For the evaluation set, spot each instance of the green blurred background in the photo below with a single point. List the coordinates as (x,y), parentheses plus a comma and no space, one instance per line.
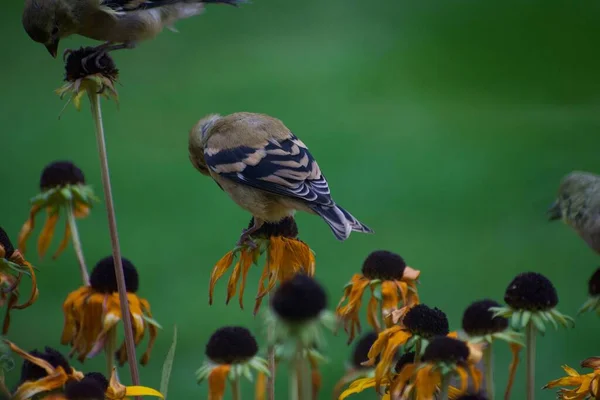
(444,125)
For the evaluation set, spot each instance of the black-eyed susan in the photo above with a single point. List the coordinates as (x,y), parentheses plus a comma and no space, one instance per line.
(286,256)
(42,373)
(531,300)
(89,71)
(355,368)
(63,189)
(231,353)
(392,283)
(593,302)
(93,312)
(482,326)
(419,325)
(12,268)
(586,386)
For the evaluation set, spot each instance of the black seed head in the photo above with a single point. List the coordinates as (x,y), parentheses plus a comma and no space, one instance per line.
(286,227)
(531,291)
(426,322)
(99,378)
(384,265)
(88,61)
(478,320)
(594,284)
(61,173)
(231,345)
(472,397)
(406,358)
(85,389)
(298,300)
(446,349)
(6,243)
(104,280)
(361,349)
(31,372)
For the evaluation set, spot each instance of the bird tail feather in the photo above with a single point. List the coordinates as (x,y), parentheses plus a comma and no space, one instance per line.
(340,221)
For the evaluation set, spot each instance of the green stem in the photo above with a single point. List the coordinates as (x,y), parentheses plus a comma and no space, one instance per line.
(530,343)
(77,243)
(418,351)
(445,387)
(294,386)
(109,350)
(271,360)
(488,359)
(114,236)
(304,391)
(235,389)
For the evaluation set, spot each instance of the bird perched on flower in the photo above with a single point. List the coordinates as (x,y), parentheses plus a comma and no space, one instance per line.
(119,23)
(578,205)
(266,170)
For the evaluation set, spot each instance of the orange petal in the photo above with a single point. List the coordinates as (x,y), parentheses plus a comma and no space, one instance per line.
(233,280)
(153,333)
(316,383)
(34,289)
(453,335)
(81,210)
(476,375)
(47,233)
(246,258)
(260,390)
(388,355)
(220,268)
(43,364)
(216,382)
(401,380)
(592,362)
(30,389)
(427,381)
(464,379)
(411,274)
(12,300)
(372,311)
(512,370)
(27,228)
(64,242)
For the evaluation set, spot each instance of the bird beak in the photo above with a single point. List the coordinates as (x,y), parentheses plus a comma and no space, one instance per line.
(554,212)
(53,48)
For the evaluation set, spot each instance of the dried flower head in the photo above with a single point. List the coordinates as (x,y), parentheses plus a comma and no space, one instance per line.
(85,389)
(406,358)
(360,354)
(479,320)
(586,386)
(445,349)
(426,322)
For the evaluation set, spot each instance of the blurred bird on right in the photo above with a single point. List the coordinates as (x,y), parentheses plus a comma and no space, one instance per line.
(578,205)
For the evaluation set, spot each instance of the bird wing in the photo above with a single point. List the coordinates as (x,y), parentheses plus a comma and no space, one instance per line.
(284,167)
(122,6)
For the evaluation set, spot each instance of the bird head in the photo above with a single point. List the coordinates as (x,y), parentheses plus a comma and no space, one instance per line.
(197,141)
(46,22)
(572,194)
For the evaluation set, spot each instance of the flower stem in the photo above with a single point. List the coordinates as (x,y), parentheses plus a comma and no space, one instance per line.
(109,350)
(302,378)
(530,342)
(271,360)
(235,389)
(445,387)
(77,243)
(293,384)
(488,359)
(114,236)
(418,351)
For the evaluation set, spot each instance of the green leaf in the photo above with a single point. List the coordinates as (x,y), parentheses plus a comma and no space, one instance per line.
(151,321)
(168,365)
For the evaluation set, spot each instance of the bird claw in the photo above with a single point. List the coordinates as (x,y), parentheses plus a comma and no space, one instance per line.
(245,240)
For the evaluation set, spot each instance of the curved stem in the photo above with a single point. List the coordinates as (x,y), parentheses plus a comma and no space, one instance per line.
(114,236)
(530,338)
(77,244)
(488,359)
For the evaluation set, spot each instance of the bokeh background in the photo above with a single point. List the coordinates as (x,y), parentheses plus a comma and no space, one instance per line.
(444,125)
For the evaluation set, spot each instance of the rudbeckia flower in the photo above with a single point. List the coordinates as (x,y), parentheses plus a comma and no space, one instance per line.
(94,386)
(231,353)
(88,70)
(355,368)
(419,325)
(586,386)
(593,303)
(63,188)
(391,282)
(42,372)
(286,255)
(12,268)
(93,312)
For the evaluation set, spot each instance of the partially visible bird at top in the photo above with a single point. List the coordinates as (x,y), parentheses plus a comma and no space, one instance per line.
(578,205)
(266,170)
(121,24)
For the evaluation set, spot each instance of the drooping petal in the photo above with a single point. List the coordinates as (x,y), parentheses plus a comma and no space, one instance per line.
(372,313)
(399,385)
(260,389)
(463,378)
(153,333)
(30,389)
(47,233)
(64,242)
(427,380)
(81,210)
(34,288)
(216,382)
(512,370)
(389,297)
(349,312)
(358,386)
(27,229)
(218,271)
(142,391)
(246,259)
(233,281)
(43,364)
(592,362)
(389,353)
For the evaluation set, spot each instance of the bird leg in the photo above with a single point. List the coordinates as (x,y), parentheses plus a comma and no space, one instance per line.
(245,237)
(98,51)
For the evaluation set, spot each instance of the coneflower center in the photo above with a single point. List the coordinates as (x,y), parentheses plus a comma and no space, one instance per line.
(383,265)
(426,322)
(594,284)
(6,243)
(298,300)
(446,349)
(286,227)
(88,61)
(478,320)
(231,345)
(406,358)
(531,291)
(361,349)
(85,389)
(31,372)
(99,378)
(61,173)
(104,280)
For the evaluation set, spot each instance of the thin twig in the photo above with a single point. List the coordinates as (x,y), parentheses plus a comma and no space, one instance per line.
(271,360)
(114,236)
(488,360)
(530,338)
(77,244)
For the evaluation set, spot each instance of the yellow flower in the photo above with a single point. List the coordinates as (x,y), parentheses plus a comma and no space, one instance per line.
(62,188)
(286,256)
(586,386)
(12,268)
(231,354)
(93,312)
(40,375)
(391,282)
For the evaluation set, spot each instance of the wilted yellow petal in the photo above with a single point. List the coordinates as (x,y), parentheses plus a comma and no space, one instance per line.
(142,391)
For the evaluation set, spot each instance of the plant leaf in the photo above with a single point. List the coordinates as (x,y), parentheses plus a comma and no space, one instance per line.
(168,365)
